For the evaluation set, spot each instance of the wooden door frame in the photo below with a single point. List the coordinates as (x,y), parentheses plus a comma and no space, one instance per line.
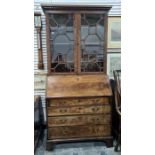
(76,11)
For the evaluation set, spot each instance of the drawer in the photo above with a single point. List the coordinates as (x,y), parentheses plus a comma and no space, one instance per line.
(97,109)
(79,131)
(79,120)
(78,101)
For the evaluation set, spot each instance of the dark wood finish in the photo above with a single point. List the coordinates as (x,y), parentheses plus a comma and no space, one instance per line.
(49,145)
(75,8)
(39,42)
(37,14)
(109,142)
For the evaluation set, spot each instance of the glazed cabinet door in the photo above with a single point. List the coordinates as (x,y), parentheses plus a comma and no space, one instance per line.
(61,37)
(92,43)
(76,43)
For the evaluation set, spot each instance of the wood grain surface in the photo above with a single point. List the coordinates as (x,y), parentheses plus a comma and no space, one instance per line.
(97,109)
(79,120)
(79,131)
(78,101)
(59,86)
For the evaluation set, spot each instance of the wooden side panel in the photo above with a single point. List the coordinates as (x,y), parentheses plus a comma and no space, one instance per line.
(55,111)
(79,131)
(78,101)
(79,120)
(77,86)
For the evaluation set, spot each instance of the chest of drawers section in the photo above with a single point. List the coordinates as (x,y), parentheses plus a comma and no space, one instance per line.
(78,118)
(78,108)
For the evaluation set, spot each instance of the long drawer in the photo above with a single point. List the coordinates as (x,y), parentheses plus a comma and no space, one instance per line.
(78,101)
(96,109)
(79,120)
(79,131)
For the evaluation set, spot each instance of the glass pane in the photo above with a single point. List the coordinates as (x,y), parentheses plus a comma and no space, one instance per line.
(116,31)
(61,41)
(92,43)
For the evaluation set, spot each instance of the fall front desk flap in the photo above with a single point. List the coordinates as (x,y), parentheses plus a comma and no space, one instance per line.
(77,86)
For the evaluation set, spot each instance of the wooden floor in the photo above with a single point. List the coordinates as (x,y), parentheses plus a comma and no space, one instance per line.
(84,148)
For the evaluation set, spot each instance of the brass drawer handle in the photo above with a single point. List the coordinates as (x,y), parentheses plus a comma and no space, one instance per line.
(63,110)
(97,119)
(65,131)
(63,121)
(95,109)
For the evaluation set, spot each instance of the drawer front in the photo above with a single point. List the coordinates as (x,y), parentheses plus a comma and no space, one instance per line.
(79,120)
(79,131)
(78,101)
(58,111)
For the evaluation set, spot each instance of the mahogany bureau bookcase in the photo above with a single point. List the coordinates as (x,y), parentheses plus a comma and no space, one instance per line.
(78,93)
